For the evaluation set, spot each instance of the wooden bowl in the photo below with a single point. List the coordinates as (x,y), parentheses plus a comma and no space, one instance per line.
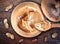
(18,11)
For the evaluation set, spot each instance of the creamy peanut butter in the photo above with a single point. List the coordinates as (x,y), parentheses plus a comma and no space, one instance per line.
(31,21)
(27,20)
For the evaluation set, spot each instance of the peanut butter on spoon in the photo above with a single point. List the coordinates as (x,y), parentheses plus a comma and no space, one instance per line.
(46,25)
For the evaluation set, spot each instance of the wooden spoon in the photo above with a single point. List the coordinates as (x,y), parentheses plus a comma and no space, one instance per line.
(51,9)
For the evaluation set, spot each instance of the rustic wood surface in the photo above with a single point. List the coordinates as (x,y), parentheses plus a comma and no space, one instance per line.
(44,38)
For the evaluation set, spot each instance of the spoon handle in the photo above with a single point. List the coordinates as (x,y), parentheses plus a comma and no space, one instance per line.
(55,25)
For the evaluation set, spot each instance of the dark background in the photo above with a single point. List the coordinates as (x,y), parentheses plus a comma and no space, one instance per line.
(40,38)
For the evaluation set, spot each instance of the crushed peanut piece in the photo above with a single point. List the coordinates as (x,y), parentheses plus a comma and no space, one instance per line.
(6,23)
(46,38)
(54,35)
(34,40)
(10,35)
(8,7)
(21,40)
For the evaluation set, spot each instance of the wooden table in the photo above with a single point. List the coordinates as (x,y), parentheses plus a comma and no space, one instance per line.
(44,38)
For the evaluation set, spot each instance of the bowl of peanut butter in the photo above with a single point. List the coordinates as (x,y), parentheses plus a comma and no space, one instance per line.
(24,18)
